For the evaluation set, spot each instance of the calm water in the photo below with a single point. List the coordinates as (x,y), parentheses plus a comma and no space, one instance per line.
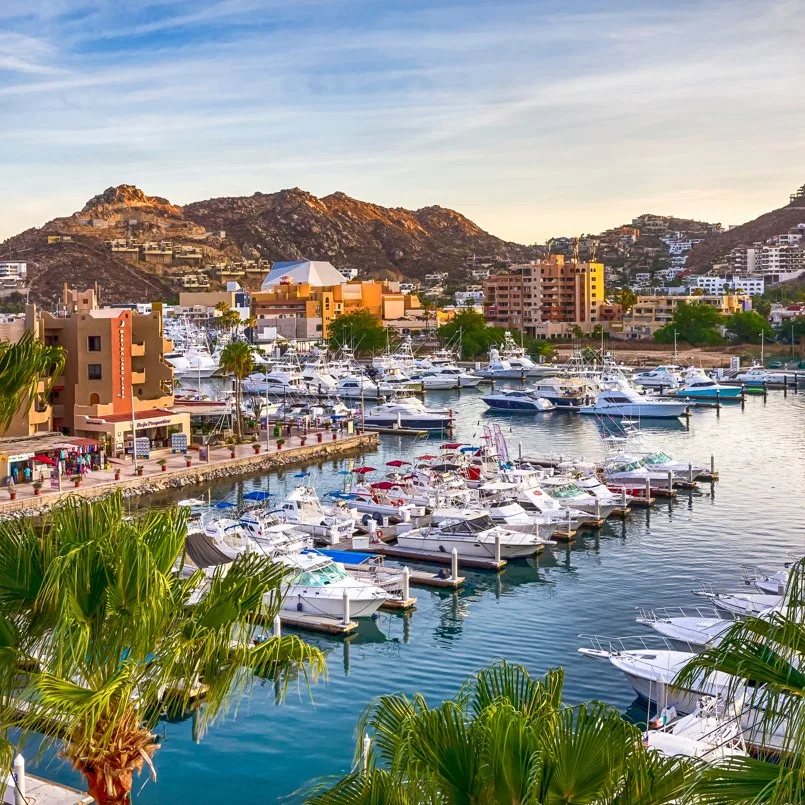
(532,613)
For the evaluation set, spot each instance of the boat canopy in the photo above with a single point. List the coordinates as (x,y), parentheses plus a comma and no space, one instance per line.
(476,525)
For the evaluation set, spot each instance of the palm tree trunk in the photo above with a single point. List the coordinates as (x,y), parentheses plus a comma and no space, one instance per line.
(238,402)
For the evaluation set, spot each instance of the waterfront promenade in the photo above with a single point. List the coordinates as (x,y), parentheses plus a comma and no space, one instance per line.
(98,483)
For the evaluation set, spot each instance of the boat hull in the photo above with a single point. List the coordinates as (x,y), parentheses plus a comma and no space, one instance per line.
(641,411)
(516,406)
(466,548)
(413,422)
(724,393)
(330,603)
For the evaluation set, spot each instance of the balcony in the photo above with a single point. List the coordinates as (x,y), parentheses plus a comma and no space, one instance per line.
(57,411)
(137,349)
(137,377)
(39,414)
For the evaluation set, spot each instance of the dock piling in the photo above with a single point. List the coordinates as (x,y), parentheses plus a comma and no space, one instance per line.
(367,745)
(277,626)
(497,548)
(19,781)
(346,607)
(712,464)
(648,488)
(597,509)
(690,473)
(454,565)
(670,479)
(406,584)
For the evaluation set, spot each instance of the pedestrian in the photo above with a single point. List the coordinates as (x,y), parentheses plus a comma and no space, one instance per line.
(26,474)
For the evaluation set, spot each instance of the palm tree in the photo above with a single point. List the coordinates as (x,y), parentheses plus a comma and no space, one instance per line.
(22,365)
(101,632)
(505,739)
(236,359)
(768,651)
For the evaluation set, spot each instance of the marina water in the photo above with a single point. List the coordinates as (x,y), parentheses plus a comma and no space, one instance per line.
(532,613)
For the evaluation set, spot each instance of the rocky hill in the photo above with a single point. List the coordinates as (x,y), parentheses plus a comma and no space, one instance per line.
(287,225)
(294,224)
(717,248)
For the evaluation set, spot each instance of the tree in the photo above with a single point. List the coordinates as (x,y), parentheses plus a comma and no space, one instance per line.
(768,651)
(747,326)
(694,324)
(22,365)
(506,738)
(625,297)
(762,306)
(469,328)
(427,308)
(359,330)
(236,359)
(100,635)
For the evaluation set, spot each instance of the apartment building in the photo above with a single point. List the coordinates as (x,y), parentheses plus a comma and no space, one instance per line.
(650,313)
(752,286)
(115,372)
(528,296)
(12,273)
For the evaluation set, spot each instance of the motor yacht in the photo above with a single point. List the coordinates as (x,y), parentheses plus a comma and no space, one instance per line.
(356,387)
(622,400)
(688,628)
(329,524)
(472,535)
(568,493)
(407,412)
(517,401)
(316,584)
(696,385)
(278,381)
(666,377)
(457,377)
(566,393)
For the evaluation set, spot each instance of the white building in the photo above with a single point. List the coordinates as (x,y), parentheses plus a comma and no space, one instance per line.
(13,272)
(407,287)
(469,298)
(436,277)
(350,273)
(753,286)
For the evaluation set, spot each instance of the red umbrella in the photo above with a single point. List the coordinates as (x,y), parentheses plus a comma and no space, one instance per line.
(397,463)
(383,485)
(451,446)
(45,460)
(364,470)
(426,458)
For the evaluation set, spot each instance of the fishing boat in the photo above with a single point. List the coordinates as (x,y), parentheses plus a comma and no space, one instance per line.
(316,584)
(430,381)
(622,400)
(568,493)
(517,400)
(666,377)
(739,603)
(330,524)
(696,385)
(568,393)
(688,628)
(472,535)
(407,412)
(454,375)
(278,381)
(357,387)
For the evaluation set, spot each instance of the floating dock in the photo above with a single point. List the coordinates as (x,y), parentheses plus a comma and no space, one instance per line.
(322,624)
(419,434)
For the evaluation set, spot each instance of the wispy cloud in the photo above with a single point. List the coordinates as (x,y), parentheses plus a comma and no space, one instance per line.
(532,118)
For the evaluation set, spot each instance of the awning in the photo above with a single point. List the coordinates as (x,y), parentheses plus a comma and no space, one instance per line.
(45,460)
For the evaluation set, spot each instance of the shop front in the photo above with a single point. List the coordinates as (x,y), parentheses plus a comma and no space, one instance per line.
(117,432)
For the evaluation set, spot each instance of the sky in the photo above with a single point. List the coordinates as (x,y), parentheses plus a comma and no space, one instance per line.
(534,118)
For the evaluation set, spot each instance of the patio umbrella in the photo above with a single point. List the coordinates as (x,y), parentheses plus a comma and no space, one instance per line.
(450,446)
(383,485)
(397,463)
(224,504)
(364,470)
(45,460)
(257,494)
(426,458)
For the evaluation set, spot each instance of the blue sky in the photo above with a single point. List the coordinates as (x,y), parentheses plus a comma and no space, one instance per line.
(532,118)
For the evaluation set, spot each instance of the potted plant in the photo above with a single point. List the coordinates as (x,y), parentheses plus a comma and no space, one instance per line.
(232,453)
(76,479)
(12,493)
(256,448)
(319,436)
(335,435)
(117,473)
(139,469)
(188,462)
(280,442)
(163,463)
(37,485)
(302,440)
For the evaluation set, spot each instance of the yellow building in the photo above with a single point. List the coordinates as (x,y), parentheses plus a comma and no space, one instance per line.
(650,313)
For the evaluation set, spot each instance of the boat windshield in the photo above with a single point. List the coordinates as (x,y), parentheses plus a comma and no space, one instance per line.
(629,467)
(321,577)
(474,526)
(657,458)
(566,491)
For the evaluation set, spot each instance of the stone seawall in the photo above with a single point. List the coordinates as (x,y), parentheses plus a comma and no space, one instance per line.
(134,486)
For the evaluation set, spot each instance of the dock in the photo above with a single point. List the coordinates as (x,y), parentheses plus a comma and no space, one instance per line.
(434,556)
(32,789)
(419,434)
(307,622)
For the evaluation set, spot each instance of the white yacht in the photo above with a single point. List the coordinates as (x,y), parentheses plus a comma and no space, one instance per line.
(687,628)
(277,381)
(696,385)
(757,375)
(506,513)
(472,535)
(317,376)
(623,400)
(568,393)
(302,508)
(316,584)
(431,381)
(271,535)
(666,377)
(356,387)
(457,377)
(195,362)
(407,412)
(570,494)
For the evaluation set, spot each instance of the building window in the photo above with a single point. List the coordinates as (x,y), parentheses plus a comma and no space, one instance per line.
(94,343)
(94,371)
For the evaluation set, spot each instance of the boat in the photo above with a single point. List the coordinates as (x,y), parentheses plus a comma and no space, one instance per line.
(738,603)
(454,375)
(567,393)
(507,513)
(770,583)
(568,493)
(712,732)
(330,524)
(665,377)
(407,412)
(517,400)
(696,385)
(195,361)
(757,375)
(316,584)
(316,374)
(688,628)
(472,534)
(356,387)
(271,535)
(277,381)
(623,400)
(430,381)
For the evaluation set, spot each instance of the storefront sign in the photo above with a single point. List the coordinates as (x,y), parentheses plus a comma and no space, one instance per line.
(20,457)
(153,423)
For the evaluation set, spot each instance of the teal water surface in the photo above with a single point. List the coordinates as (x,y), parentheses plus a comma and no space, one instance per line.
(532,613)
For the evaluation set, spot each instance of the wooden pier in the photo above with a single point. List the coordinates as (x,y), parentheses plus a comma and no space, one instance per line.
(419,434)
(323,624)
